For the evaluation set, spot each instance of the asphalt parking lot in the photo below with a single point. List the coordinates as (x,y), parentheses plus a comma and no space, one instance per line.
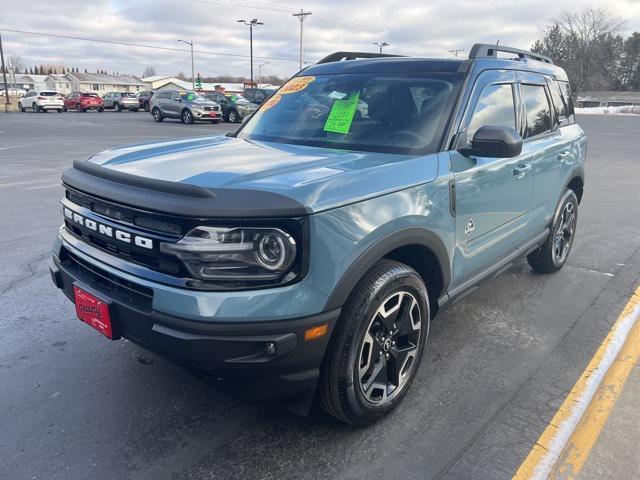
(498,364)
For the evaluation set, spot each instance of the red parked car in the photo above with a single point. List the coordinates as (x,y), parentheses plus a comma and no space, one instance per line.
(83,101)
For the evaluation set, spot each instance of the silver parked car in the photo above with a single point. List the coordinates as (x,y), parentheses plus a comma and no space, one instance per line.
(121,101)
(187,106)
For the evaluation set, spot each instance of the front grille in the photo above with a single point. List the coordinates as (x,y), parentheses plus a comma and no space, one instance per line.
(124,214)
(162,228)
(211,109)
(119,289)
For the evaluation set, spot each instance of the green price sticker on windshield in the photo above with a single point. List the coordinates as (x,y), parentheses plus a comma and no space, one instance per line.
(341,114)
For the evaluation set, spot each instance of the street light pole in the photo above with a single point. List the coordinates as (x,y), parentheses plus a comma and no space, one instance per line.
(301,16)
(251,24)
(381,45)
(4,77)
(193,74)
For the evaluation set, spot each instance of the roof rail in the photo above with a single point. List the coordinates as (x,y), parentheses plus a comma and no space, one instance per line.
(339,56)
(484,50)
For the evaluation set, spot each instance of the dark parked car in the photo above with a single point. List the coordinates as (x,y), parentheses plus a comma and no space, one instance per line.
(258,95)
(234,107)
(144,99)
(82,102)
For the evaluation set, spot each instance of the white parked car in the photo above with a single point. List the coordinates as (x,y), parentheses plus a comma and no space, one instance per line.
(41,101)
(13,92)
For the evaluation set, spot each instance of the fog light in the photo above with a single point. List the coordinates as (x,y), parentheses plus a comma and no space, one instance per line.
(270,348)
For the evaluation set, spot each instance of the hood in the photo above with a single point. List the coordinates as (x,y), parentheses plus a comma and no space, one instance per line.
(318,178)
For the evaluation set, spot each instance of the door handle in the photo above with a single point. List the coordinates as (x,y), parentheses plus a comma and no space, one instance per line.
(521,170)
(563,155)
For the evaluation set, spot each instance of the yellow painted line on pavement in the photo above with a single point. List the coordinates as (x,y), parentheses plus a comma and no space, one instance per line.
(565,444)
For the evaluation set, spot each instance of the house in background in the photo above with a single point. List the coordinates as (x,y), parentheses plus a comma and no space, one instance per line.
(25,82)
(60,83)
(102,83)
(166,82)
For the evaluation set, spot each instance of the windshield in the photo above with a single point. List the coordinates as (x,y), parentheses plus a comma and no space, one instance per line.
(193,97)
(371,112)
(90,95)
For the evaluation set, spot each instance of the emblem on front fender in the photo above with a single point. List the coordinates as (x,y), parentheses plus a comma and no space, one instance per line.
(471,226)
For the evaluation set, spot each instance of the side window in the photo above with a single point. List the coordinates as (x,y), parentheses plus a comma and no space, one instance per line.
(495,107)
(537,108)
(567,97)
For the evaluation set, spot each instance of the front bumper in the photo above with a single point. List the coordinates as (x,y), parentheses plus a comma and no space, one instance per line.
(207,115)
(235,352)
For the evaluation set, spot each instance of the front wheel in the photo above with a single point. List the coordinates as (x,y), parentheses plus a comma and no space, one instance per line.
(376,350)
(35,107)
(22,109)
(553,253)
(117,107)
(233,116)
(187,117)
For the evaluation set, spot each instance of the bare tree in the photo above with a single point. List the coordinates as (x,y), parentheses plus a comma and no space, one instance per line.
(586,44)
(148,72)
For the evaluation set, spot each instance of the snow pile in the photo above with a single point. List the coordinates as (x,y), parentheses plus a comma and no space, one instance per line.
(626,110)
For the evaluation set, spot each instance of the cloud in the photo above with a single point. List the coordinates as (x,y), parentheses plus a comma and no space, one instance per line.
(420,28)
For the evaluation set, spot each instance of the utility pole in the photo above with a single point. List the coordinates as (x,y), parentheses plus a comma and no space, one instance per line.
(193,77)
(382,45)
(260,70)
(251,24)
(455,51)
(4,77)
(301,16)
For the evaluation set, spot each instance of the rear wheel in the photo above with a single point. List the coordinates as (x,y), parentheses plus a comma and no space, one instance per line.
(553,253)
(187,116)
(376,350)
(35,107)
(157,115)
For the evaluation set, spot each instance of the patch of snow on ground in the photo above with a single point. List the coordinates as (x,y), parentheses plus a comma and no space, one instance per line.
(626,110)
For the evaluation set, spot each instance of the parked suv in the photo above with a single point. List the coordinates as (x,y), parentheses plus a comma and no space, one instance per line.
(41,101)
(304,256)
(187,106)
(144,99)
(234,107)
(121,101)
(82,102)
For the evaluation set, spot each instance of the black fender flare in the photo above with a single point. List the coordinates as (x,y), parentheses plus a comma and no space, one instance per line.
(400,238)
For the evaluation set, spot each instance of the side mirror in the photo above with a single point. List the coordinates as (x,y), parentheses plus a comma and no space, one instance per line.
(494,142)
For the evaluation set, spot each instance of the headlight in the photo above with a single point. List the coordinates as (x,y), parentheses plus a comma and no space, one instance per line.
(236,253)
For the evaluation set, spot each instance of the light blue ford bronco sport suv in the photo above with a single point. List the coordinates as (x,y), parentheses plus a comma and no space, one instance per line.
(302,257)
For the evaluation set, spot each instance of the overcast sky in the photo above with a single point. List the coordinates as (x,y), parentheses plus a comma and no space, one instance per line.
(426,28)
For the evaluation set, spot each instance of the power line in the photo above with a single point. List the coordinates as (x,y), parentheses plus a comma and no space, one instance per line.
(141,45)
(455,51)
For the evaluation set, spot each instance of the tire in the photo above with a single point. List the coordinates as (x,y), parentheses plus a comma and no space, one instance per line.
(100,109)
(553,253)
(64,109)
(186,116)
(157,115)
(364,342)
(135,109)
(117,107)
(21,108)
(79,108)
(147,107)
(35,107)
(232,116)
(59,110)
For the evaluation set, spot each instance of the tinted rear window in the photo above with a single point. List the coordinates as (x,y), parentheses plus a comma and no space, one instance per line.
(48,94)
(89,95)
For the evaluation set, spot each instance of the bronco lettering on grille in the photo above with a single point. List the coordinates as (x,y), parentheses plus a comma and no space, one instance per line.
(107,231)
